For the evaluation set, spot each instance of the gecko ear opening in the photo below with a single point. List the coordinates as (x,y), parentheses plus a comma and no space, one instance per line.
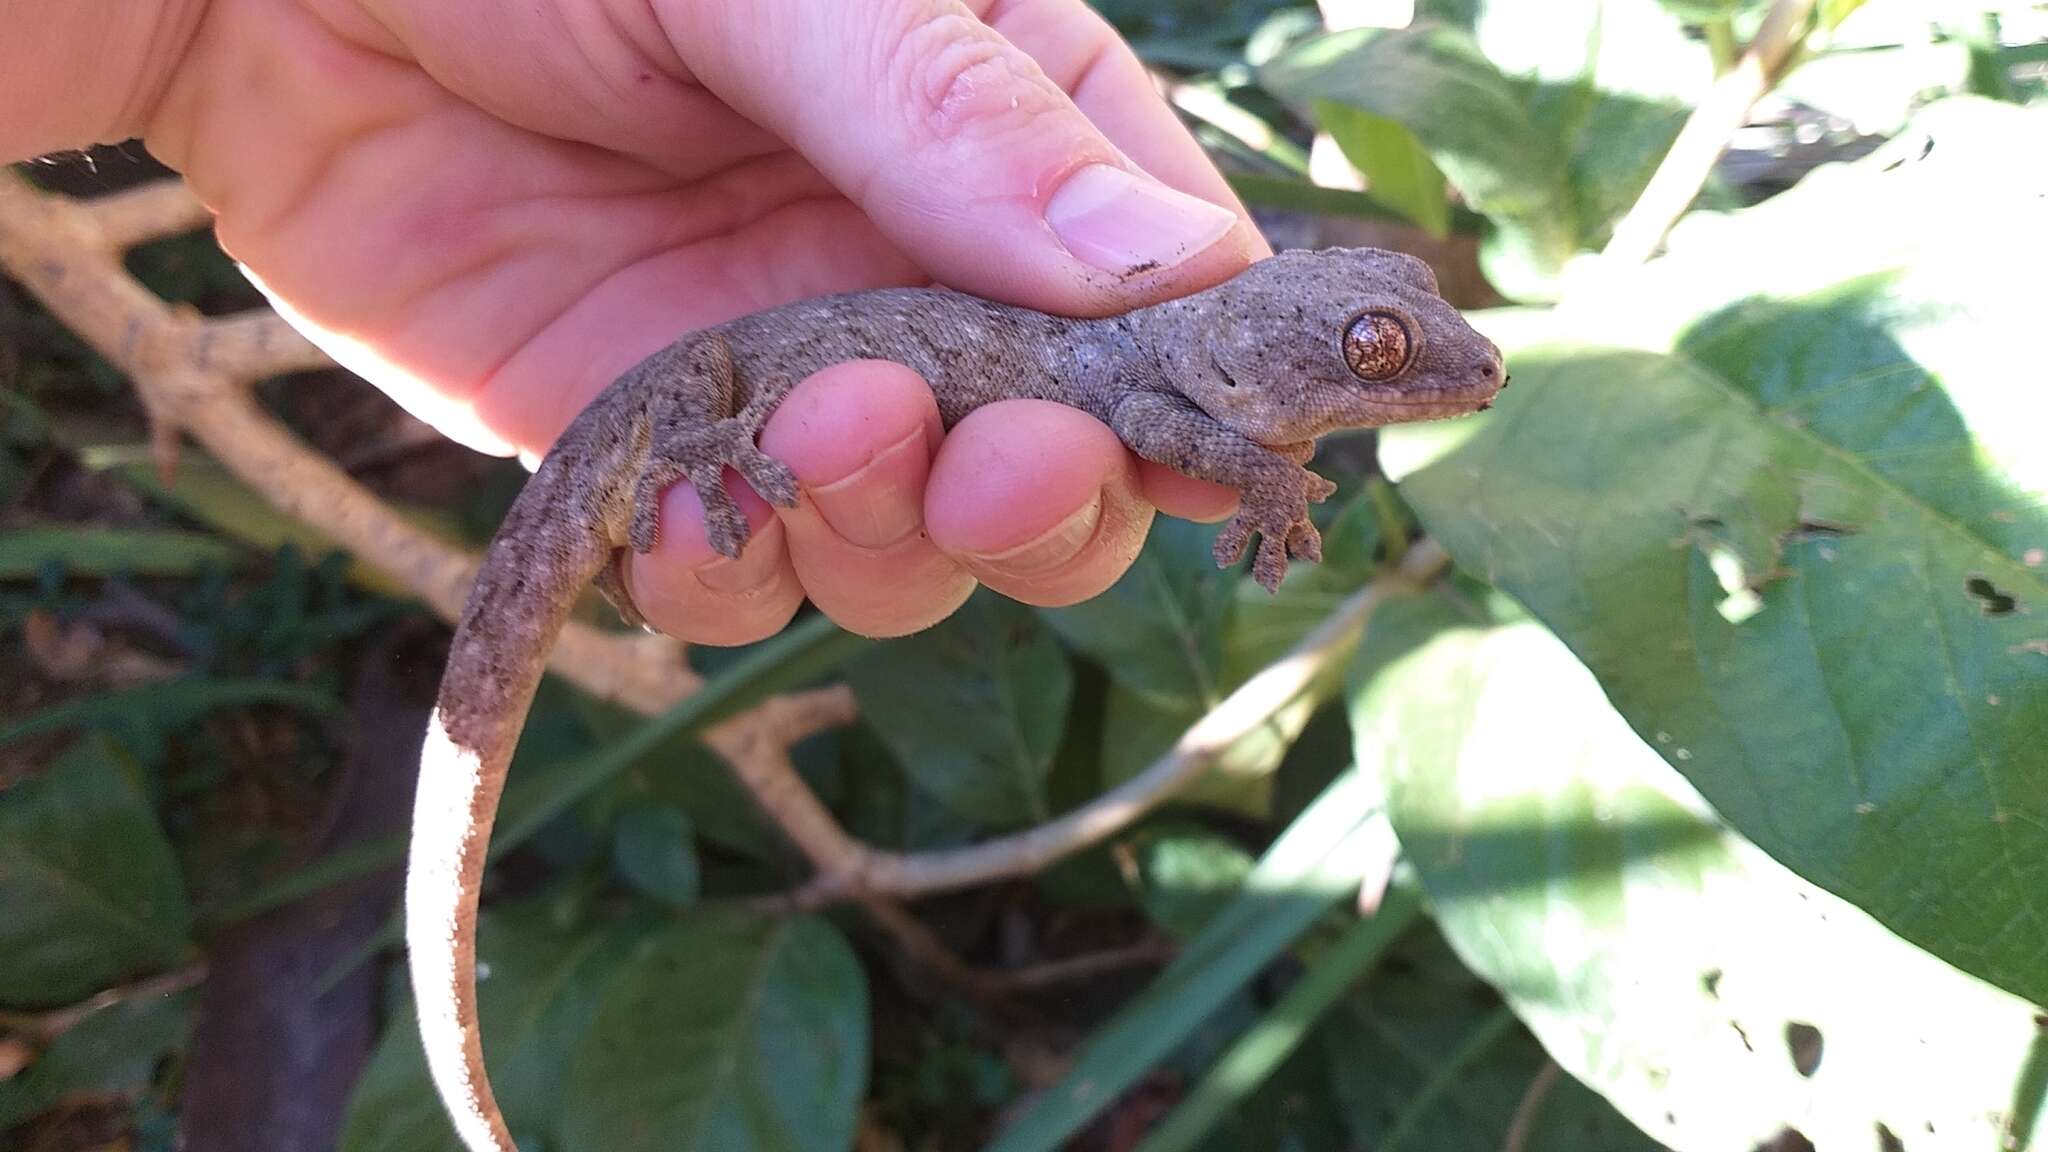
(1380,344)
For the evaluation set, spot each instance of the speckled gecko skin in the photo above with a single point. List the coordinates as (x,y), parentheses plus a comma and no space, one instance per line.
(1232,385)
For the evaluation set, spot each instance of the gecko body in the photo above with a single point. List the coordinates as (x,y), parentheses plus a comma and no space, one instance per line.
(1232,384)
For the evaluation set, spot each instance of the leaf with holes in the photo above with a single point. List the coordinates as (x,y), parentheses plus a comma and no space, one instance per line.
(727,1031)
(1711,995)
(1805,550)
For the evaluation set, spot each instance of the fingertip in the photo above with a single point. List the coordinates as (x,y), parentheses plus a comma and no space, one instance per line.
(1040,501)
(689,591)
(1185,497)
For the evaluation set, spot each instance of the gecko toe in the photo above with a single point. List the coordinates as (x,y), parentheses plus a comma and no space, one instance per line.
(1316,488)
(1305,543)
(769,477)
(1270,568)
(1230,545)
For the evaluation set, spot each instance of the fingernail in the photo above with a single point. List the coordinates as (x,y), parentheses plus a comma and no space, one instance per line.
(1051,548)
(1124,223)
(882,501)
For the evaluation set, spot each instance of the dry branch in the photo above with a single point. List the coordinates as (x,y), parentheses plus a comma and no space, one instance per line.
(194,376)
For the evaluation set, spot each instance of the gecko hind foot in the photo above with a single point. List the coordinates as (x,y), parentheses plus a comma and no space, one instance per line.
(701,456)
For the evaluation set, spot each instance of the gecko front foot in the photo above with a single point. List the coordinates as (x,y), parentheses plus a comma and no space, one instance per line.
(1278,512)
(701,455)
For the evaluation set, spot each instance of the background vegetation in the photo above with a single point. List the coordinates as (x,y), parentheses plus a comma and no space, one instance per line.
(1703,805)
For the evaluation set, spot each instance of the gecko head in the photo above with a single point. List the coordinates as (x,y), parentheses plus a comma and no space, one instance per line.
(1308,342)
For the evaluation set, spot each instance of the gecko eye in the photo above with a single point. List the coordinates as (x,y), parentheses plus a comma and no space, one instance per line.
(1378,345)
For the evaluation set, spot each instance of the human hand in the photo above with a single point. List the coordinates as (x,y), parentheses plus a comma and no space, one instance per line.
(491,209)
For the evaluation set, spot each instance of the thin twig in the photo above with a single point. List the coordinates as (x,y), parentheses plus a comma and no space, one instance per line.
(1533,1097)
(1253,704)
(1692,157)
(43,1027)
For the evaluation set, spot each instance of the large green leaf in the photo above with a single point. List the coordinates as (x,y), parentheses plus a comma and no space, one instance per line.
(91,890)
(973,708)
(538,986)
(1804,553)
(726,1032)
(1711,995)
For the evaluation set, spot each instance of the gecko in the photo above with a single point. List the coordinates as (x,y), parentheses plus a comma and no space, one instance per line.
(1232,384)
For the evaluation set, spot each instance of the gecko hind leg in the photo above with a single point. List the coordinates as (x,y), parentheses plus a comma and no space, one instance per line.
(696,436)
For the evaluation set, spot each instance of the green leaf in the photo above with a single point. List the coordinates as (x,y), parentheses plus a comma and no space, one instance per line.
(25,552)
(1660,958)
(1394,162)
(1552,147)
(1266,1045)
(1804,551)
(652,848)
(972,708)
(1433,79)
(212,495)
(1319,860)
(1159,629)
(92,891)
(144,713)
(539,982)
(1425,1056)
(1285,194)
(114,1051)
(727,1031)
(1188,874)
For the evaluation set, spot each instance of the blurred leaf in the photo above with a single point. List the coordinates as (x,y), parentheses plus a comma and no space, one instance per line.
(1433,79)
(1288,195)
(539,982)
(92,891)
(210,494)
(1804,556)
(1319,860)
(727,1031)
(1159,629)
(973,708)
(652,847)
(1257,1054)
(143,715)
(1395,164)
(1422,1048)
(1660,958)
(112,1052)
(24,552)
(1552,154)
(1188,874)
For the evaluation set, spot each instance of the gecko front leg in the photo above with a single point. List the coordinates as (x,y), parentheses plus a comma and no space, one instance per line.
(1272,483)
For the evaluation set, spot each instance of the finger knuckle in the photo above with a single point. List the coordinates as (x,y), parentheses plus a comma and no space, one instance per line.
(959,80)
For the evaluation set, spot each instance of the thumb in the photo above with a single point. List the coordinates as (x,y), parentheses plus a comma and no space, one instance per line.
(962,150)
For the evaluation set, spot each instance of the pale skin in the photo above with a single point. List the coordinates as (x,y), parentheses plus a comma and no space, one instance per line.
(490,209)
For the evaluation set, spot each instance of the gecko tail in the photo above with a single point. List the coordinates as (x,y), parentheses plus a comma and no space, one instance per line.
(453,810)
(543,558)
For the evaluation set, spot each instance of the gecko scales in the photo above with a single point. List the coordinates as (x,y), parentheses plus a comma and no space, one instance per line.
(1233,385)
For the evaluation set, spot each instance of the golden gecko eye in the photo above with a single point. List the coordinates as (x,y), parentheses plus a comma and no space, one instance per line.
(1378,346)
